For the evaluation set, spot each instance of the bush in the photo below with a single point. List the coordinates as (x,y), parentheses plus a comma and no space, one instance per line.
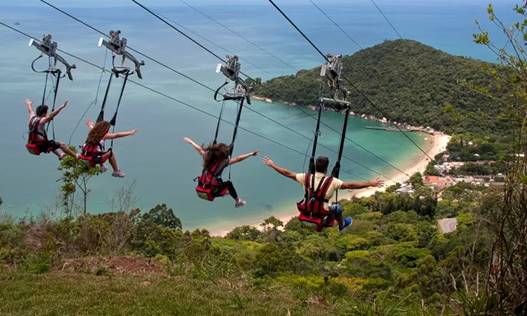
(245,232)
(163,216)
(37,263)
(12,246)
(273,259)
(158,232)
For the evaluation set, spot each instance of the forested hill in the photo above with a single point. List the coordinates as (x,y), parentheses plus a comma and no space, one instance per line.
(410,82)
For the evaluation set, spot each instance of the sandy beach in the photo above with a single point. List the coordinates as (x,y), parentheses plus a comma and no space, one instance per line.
(434,145)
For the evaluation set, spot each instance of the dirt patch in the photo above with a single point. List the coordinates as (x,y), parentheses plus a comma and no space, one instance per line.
(113,265)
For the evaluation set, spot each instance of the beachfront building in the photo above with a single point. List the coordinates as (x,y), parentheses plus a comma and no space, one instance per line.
(438,183)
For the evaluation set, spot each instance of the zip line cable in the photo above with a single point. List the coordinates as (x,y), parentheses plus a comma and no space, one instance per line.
(356,88)
(185,35)
(336,24)
(401,37)
(92,103)
(386,18)
(196,81)
(103,69)
(321,145)
(203,37)
(188,77)
(214,54)
(358,145)
(130,48)
(160,93)
(239,35)
(330,127)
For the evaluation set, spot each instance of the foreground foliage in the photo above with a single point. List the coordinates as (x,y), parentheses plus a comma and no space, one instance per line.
(392,261)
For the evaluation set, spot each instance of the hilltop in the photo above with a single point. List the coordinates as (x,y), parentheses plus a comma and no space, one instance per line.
(412,83)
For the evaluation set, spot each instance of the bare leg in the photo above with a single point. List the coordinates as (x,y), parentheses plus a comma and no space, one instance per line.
(67,150)
(113,162)
(116,172)
(56,152)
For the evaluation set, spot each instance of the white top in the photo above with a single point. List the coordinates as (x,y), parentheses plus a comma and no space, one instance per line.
(334,186)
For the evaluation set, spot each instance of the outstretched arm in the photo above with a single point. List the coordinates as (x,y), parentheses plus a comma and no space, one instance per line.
(29,107)
(52,115)
(194,145)
(90,124)
(120,134)
(361,185)
(242,157)
(283,171)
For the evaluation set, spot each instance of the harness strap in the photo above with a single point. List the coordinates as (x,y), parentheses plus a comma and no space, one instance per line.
(56,73)
(33,129)
(306,185)
(93,150)
(218,124)
(320,185)
(318,193)
(321,193)
(47,77)
(218,167)
(103,104)
(114,118)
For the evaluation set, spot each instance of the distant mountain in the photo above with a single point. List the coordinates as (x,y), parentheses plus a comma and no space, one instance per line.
(410,82)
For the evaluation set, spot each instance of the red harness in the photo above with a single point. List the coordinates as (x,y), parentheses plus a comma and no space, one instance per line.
(209,182)
(312,208)
(36,139)
(93,154)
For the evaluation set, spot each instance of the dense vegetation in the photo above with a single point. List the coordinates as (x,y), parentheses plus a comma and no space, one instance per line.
(392,255)
(448,93)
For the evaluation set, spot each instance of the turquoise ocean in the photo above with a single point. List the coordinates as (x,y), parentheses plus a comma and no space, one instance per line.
(160,167)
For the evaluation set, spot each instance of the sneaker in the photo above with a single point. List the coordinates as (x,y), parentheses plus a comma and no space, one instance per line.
(118,174)
(346,224)
(240,203)
(61,156)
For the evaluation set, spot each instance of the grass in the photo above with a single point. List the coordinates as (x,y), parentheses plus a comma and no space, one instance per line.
(59,293)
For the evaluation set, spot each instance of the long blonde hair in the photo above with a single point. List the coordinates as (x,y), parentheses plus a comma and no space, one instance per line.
(97,133)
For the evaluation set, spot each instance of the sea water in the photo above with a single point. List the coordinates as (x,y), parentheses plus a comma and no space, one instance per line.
(160,167)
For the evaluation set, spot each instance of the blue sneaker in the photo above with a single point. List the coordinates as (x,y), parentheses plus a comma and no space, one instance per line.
(346,223)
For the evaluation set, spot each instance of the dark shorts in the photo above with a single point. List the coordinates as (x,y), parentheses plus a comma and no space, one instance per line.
(48,146)
(101,157)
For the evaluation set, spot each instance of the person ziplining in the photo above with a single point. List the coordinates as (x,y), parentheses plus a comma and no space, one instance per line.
(94,145)
(93,150)
(39,119)
(218,156)
(319,188)
(38,141)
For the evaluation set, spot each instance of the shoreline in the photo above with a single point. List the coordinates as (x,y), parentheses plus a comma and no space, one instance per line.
(435,144)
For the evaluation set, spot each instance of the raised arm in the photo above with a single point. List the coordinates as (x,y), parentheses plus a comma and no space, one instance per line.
(90,124)
(283,171)
(29,107)
(52,115)
(194,145)
(361,185)
(120,134)
(242,157)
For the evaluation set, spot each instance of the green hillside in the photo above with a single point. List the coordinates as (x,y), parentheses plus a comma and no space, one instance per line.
(412,83)
(143,263)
